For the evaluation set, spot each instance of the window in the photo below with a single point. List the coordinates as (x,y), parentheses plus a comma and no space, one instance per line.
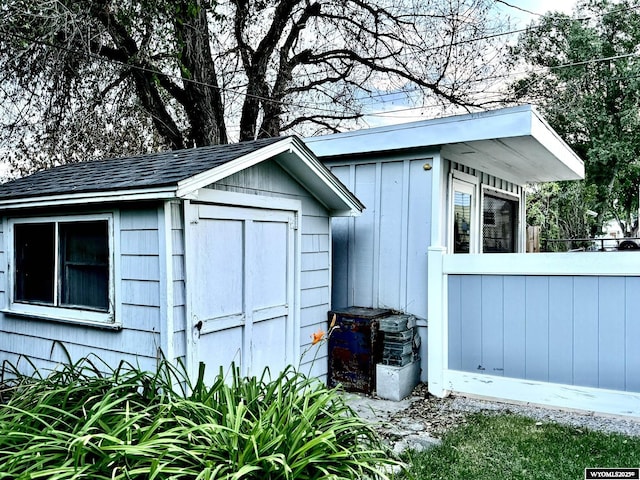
(463,217)
(500,223)
(63,264)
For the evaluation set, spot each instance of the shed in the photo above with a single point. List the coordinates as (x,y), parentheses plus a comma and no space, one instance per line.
(213,254)
(443,238)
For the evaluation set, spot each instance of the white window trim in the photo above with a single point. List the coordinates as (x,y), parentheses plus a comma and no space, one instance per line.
(57,313)
(462,181)
(505,194)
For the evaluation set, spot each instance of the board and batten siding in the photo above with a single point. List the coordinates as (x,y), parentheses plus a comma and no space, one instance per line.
(46,343)
(572,330)
(380,257)
(269,179)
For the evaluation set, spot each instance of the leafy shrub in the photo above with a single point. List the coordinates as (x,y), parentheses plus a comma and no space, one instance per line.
(78,423)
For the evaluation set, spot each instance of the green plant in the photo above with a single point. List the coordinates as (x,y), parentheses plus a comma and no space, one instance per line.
(129,424)
(490,446)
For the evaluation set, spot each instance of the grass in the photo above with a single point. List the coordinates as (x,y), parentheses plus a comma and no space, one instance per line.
(79,423)
(490,447)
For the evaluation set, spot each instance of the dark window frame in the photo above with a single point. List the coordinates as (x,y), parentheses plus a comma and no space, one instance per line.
(83,268)
(514,201)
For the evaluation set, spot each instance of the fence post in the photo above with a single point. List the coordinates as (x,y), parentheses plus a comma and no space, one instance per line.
(437,317)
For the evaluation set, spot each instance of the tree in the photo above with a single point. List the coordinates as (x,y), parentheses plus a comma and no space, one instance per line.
(586,78)
(81,78)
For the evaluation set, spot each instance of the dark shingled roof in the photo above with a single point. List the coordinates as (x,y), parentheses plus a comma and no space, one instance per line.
(142,171)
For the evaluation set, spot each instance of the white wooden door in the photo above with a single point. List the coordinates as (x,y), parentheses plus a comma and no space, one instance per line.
(242,288)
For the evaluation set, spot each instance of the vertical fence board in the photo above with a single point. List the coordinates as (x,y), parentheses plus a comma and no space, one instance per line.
(611,344)
(492,324)
(585,332)
(514,327)
(471,307)
(537,328)
(561,329)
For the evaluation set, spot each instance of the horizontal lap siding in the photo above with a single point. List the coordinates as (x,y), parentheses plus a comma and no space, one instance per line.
(47,343)
(269,179)
(580,330)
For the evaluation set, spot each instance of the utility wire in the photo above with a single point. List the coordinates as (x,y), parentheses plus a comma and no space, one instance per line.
(315,106)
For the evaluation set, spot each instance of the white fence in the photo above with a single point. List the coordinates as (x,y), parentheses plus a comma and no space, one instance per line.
(551,329)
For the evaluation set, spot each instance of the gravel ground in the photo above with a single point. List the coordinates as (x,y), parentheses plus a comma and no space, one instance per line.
(438,415)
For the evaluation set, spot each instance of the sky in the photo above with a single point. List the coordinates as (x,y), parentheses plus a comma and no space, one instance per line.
(536,6)
(401,112)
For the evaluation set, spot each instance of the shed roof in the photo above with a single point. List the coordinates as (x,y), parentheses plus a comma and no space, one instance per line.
(514,143)
(174,174)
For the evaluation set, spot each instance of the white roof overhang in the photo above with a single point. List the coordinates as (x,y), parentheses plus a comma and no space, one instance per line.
(515,144)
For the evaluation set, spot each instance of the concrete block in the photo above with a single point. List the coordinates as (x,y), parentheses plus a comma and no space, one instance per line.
(396,383)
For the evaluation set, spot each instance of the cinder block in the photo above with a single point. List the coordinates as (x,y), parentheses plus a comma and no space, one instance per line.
(396,383)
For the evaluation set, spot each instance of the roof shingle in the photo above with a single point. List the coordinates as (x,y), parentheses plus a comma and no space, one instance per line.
(129,173)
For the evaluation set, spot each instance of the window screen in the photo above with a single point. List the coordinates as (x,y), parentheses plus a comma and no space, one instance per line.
(499,224)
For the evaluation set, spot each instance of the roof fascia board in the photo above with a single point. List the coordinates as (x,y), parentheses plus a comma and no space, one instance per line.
(350,201)
(159,193)
(549,139)
(501,123)
(187,187)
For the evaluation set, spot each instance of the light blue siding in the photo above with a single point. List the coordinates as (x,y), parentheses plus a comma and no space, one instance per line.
(575,330)
(514,324)
(585,332)
(560,330)
(47,343)
(380,257)
(268,179)
(537,328)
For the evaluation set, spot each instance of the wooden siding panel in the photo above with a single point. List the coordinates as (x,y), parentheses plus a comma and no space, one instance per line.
(340,294)
(138,219)
(391,233)
(315,243)
(537,328)
(363,237)
(136,292)
(632,334)
(315,225)
(139,242)
(585,332)
(561,330)
(515,337)
(314,260)
(139,317)
(492,327)
(315,297)
(314,278)
(471,328)
(39,342)
(314,319)
(340,246)
(418,238)
(455,322)
(611,331)
(139,267)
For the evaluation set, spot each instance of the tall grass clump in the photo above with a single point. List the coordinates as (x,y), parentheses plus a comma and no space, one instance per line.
(79,423)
